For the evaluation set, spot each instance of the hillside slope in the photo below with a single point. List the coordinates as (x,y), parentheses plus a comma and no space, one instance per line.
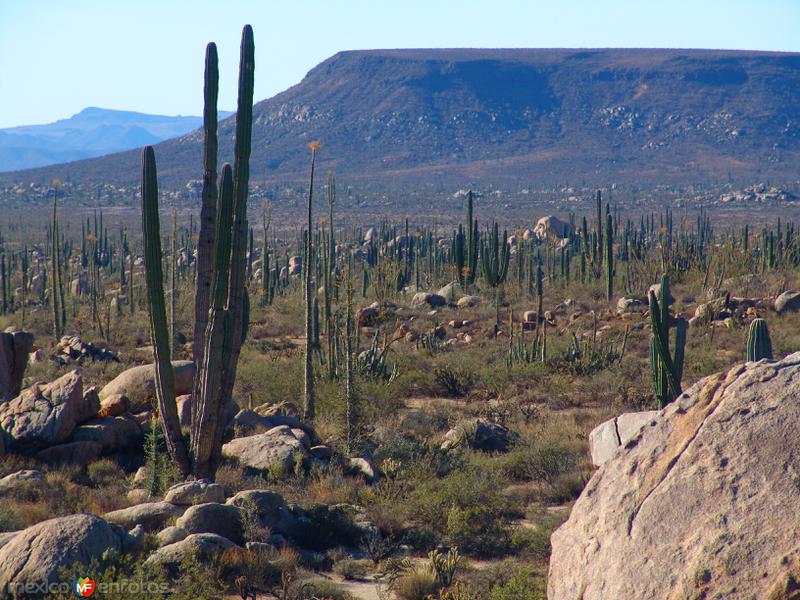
(393,118)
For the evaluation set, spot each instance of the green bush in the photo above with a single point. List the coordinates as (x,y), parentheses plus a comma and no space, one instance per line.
(531,542)
(105,472)
(521,586)
(415,585)
(477,530)
(351,568)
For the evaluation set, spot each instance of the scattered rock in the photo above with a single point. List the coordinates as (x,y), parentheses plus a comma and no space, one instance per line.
(468,301)
(479,435)
(222,519)
(606,438)
(45,414)
(361,466)
(550,227)
(787,301)
(203,546)
(432,300)
(171,535)
(138,383)
(72,349)
(629,305)
(150,515)
(23,481)
(705,498)
(112,433)
(114,405)
(40,553)
(278,446)
(270,508)
(198,491)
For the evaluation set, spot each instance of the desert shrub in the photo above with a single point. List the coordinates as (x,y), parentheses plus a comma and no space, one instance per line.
(454,382)
(417,584)
(477,530)
(351,568)
(10,519)
(545,463)
(531,542)
(326,527)
(105,472)
(322,588)
(522,585)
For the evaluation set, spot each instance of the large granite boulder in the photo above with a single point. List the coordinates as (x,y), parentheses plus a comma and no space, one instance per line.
(277,447)
(37,555)
(138,383)
(112,433)
(702,504)
(270,508)
(202,546)
(198,491)
(606,438)
(25,481)
(223,519)
(787,302)
(150,515)
(46,413)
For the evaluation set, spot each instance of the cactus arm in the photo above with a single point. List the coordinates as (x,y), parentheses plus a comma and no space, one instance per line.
(165,379)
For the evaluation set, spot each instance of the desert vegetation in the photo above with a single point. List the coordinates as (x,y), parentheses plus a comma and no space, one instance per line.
(346,409)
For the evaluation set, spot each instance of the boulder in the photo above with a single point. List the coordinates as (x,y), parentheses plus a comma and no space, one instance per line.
(7,536)
(424,298)
(278,446)
(656,289)
(787,301)
(550,227)
(74,453)
(112,433)
(15,346)
(479,434)
(45,414)
(198,491)
(703,504)
(150,515)
(282,409)
(223,519)
(629,305)
(114,405)
(203,546)
(138,383)
(170,535)
(40,553)
(450,292)
(270,508)
(361,466)
(468,301)
(606,438)
(27,480)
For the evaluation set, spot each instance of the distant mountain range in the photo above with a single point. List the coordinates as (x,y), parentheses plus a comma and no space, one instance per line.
(91,132)
(445,119)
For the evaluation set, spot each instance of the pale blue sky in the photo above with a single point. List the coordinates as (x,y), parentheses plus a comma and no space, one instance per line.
(59,56)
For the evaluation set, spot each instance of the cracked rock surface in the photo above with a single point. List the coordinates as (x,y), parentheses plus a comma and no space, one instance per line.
(704,502)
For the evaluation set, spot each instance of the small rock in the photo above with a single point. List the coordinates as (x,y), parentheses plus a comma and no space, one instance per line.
(199,491)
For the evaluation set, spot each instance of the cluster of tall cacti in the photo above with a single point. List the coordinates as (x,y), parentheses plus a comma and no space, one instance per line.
(666,364)
(221,300)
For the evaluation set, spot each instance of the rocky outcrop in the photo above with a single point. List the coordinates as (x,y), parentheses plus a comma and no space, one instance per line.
(222,519)
(39,554)
(270,508)
(551,228)
(703,502)
(276,447)
(606,438)
(203,546)
(112,433)
(198,491)
(150,515)
(138,383)
(46,414)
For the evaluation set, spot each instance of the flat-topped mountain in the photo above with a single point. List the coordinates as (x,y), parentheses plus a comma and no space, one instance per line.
(397,118)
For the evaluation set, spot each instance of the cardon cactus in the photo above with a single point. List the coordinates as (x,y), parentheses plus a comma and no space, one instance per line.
(758,343)
(667,368)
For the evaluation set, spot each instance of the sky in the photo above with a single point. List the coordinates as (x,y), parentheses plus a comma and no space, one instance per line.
(60,56)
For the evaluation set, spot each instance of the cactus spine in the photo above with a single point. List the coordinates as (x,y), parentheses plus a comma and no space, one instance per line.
(759,345)
(667,368)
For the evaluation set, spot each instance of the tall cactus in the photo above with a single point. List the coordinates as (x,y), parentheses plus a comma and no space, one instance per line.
(228,302)
(667,368)
(165,378)
(609,242)
(494,265)
(308,406)
(759,345)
